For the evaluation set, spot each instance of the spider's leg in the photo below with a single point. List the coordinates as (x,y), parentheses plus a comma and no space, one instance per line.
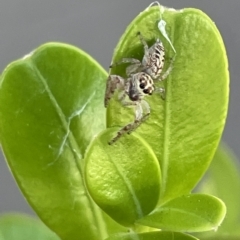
(144,43)
(161,90)
(113,82)
(134,66)
(145,61)
(126,60)
(168,71)
(126,128)
(124,93)
(139,118)
(146,107)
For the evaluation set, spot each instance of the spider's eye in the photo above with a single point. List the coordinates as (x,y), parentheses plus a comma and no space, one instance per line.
(146,91)
(142,85)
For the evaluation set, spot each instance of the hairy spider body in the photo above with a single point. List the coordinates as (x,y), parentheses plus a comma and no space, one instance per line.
(139,83)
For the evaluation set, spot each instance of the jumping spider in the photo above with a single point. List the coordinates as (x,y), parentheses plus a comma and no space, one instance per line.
(140,82)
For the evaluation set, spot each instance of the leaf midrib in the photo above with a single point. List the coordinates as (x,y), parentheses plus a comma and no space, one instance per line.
(73,145)
(165,161)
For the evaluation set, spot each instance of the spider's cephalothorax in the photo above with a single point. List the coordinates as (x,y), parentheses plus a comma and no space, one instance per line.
(139,83)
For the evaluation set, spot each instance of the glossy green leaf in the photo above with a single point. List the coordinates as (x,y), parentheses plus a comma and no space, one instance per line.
(152,236)
(223,180)
(124,178)
(190,213)
(21,227)
(48,101)
(184,129)
(222,237)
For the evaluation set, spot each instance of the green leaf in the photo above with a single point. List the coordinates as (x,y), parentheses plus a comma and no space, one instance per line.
(221,237)
(152,236)
(123,179)
(223,181)
(47,103)
(21,227)
(184,129)
(190,213)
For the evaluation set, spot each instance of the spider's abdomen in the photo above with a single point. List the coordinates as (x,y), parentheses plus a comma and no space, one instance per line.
(155,60)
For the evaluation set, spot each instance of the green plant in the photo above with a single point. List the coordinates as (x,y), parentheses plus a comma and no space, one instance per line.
(54,132)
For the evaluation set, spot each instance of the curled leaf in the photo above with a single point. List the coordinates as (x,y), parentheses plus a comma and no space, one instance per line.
(124,178)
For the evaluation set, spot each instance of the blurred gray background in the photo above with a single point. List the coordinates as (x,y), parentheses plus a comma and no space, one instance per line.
(95,26)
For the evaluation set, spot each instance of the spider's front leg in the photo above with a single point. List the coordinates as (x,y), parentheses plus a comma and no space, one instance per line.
(139,118)
(144,43)
(162,92)
(168,71)
(113,82)
(134,66)
(126,60)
